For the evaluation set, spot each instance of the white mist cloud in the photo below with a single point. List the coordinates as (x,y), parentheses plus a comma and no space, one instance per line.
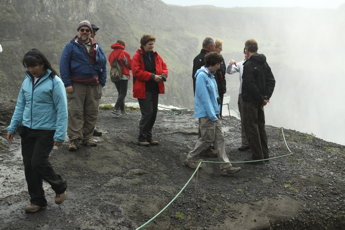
(260,3)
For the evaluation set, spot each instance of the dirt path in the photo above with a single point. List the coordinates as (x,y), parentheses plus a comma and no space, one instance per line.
(120,185)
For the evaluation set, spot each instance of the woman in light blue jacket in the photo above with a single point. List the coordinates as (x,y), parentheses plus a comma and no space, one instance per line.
(207,109)
(40,118)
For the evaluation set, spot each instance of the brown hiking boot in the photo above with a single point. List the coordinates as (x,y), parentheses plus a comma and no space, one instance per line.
(32,208)
(73,145)
(89,142)
(192,164)
(154,143)
(230,170)
(60,198)
(143,143)
(97,133)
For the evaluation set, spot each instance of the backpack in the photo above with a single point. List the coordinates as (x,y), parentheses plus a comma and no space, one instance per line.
(116,71)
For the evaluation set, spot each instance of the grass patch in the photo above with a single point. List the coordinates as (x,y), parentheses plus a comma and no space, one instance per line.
(105,107)
(289,186)
(180,216)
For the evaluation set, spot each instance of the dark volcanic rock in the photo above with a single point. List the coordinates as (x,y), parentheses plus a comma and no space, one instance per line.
(120,185)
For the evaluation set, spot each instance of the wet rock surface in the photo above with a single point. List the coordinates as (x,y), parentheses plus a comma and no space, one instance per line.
(120,185)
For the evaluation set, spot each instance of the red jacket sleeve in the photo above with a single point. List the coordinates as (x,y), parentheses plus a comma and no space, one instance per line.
(163,67)
(128,58)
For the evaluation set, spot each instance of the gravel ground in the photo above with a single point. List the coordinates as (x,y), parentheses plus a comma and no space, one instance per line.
(120,185)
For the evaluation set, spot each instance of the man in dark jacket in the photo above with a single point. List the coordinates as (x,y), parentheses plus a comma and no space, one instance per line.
(257,88)
(208,45)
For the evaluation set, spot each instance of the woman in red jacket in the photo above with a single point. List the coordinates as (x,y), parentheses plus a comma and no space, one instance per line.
(123,56)
(149,74)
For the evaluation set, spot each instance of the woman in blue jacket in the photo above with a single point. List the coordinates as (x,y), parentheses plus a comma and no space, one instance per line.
(40,117)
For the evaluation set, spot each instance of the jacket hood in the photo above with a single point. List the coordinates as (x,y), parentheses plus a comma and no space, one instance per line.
(203,69)
(259,58)
(117,46)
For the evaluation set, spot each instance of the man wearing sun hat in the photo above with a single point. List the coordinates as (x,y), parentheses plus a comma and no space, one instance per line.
(83,71)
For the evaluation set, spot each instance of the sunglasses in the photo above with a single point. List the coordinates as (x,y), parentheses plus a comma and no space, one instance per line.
(84,30)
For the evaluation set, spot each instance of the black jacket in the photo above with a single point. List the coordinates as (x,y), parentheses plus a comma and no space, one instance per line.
(258,80)
(220,78)
(198,62)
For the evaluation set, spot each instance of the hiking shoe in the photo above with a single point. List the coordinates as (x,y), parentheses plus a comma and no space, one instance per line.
(60,198)
(192,164)
(230,170)
(244,148)
(154,142)
(73,145)
(143,143)
(97,133)
(89,142)
(33,208)
(116,112)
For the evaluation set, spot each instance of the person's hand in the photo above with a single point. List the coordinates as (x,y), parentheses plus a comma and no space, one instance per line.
(9,137)
(57,143)
(158,78)
(69,89)
(232,62)
(265,102)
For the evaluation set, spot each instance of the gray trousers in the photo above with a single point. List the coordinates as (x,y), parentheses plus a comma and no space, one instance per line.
(121,87)
(254,125)
(243,133)
(210,133)
(83,110)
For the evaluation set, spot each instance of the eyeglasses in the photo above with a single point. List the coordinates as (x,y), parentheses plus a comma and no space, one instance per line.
(84,30)
(244,50)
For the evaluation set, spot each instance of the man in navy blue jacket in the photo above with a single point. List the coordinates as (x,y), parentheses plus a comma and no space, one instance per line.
(83,71)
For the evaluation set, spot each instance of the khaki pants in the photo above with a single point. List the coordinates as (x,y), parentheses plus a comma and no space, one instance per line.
(83,110)
(210,133)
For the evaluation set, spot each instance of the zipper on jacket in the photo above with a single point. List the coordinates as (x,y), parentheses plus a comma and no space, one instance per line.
(32,99)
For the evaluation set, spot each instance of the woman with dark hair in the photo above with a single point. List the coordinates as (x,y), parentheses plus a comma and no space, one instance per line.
(40,118)
(149,74)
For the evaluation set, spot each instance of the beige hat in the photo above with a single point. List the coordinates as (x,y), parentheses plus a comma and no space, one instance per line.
(84,23)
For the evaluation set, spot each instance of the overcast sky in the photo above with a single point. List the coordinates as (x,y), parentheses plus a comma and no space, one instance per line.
(260,3)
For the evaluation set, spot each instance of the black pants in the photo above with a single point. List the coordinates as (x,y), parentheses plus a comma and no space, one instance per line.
(254,126)
(148,108)
(36,147)
(221,98)
(121,87)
